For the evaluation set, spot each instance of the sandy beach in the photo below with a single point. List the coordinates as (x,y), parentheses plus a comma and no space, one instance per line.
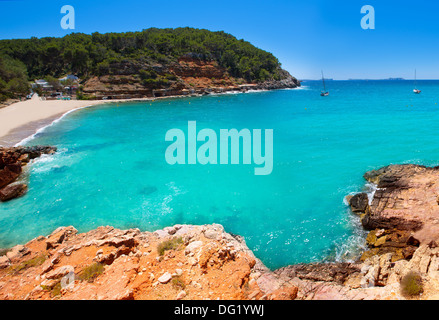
(24,118)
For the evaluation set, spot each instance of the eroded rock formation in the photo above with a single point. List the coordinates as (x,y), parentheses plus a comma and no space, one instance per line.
(11,162)
(189,75)
(406,199)
(192,262)
(180,262)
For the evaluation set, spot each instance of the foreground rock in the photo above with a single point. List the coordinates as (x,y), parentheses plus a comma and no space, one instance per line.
(180,262)
(407,198)
(11,162)
(403,220)
(186,262)
(12,191)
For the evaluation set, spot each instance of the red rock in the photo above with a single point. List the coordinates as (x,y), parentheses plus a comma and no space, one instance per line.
(288,293)
(12,191)
(14,167)
(406,199)
(7,176)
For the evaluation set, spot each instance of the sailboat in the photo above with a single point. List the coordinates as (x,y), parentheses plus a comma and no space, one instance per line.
(415,90)
(324,93)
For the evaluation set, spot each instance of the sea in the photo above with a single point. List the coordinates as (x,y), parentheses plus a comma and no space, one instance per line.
(110,168)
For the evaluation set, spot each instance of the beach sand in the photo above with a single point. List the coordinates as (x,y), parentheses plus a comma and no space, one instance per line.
(22,119)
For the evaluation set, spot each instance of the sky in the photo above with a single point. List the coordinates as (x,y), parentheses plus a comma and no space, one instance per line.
(306,36)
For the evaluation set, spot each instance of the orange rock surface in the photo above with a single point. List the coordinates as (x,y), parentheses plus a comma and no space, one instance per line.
(197,262)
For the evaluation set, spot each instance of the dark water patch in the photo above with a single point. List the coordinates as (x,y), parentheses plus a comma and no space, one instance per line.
(147,190)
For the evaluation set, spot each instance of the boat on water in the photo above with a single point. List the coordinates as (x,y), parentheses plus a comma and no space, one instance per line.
(415,90)
(324,93)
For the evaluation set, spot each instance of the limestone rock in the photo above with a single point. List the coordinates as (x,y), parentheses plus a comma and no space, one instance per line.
(359,202)
(181,295)
(193,246)
(60,272)
(11,161)
(165,278)
(405,199)
(4,262)
(59,235)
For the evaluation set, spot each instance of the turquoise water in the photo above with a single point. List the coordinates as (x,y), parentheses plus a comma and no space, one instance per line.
(111,168)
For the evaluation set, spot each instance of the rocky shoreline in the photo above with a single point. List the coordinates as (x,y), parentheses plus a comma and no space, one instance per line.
(192,262)
(12,161)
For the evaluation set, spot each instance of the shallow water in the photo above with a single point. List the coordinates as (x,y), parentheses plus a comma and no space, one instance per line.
(111,168)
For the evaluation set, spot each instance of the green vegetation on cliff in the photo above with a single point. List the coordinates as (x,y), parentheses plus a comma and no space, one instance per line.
(13,78)
(104,54)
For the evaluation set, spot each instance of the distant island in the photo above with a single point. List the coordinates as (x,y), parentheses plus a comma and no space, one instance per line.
(388,79)
(152,62)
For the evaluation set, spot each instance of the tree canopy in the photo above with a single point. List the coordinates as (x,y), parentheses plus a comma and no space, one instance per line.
(13,78)
(93,54)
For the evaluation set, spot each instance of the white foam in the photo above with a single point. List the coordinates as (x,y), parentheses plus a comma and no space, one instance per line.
(47,161)
(298,88)
(255,91)
(371,188)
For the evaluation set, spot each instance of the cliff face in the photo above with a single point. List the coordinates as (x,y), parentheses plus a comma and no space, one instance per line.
(403,219)
(190,75)
(406,199)
(186,262)
(180,262)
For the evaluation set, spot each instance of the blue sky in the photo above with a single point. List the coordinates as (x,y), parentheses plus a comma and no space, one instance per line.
(306,36)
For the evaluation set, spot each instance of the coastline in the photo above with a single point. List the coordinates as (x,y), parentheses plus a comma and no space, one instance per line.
(23,119)
(190,262)
(39,114)
(376,275)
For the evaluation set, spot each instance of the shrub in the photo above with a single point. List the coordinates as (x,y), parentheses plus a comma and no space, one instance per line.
(34,262)
(55,290)
(171,244)
(178,283)
(411,284)
(91,272)
(171,77)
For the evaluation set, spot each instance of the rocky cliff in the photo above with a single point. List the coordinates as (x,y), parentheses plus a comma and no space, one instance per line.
(190,75)
(180,262)
(406,199)
(186,262)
